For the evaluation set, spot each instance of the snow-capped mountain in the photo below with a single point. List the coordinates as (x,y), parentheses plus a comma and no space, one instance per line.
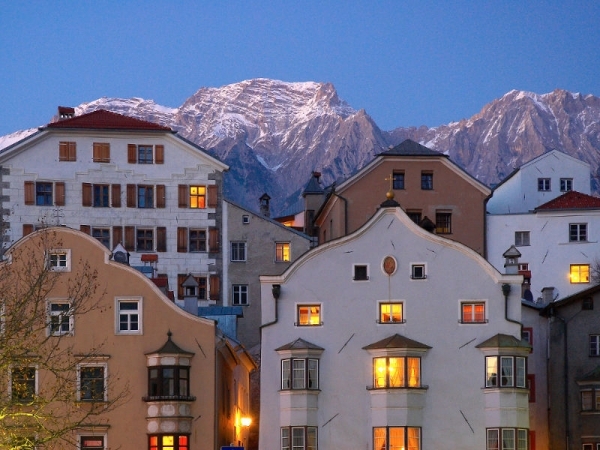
(273,134)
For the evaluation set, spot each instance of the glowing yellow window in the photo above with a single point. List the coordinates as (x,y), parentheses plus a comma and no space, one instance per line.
(580,273)
(197,196)
(309,315)
(390,312)
(282,251)
(394,372)
(473,312)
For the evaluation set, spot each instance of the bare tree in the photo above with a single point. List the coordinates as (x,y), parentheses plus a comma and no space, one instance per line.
(42,399)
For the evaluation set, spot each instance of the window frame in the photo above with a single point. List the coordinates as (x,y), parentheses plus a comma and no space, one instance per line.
(59,260)
(145,154)
(443,222)
(44,193)
(145,196)
(156,441)
(283,251)
(594,347)
(392,314)
(426,180)
(517,379)
(398,180)
(522,238)
(578,272)
(238,251)
(144,240)
(130,313)
(357,274)
(101,152)
(67,151)
(239,295)
(197,200)
(101,199)
(498,441)
(61,314)
(290,435)
(566,184)
(164,387)
(31,385)
(102,235)
(399,378)
(474,304)
(388,441)
(578,232)
(309,320)
(80,382)
(414,269)
(197,243)
(544,184)
(304,376)
(82,446)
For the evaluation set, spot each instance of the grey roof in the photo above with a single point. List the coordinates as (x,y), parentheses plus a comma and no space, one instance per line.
(299,344)
(396,341)
(313,187)
(170,347)
(503,341)
(220,311)
(411,148)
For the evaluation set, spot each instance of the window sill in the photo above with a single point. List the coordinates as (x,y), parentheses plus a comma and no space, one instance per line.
(320,324)
(405,389)
(391,322)
(360,279)
(481,322)
(418,278)
(169,398)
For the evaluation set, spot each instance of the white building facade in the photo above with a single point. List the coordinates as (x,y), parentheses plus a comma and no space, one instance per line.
(392,337)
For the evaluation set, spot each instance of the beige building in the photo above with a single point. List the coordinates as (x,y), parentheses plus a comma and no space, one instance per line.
(177,382)
(433,191)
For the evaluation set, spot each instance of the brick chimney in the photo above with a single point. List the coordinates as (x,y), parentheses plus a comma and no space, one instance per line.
(65,112)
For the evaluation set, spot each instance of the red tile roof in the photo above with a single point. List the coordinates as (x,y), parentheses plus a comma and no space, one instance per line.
(571,200)
(107,120)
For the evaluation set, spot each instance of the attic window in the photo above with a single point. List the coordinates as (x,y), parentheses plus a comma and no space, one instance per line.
(245,219)
(587,304)
(361,272)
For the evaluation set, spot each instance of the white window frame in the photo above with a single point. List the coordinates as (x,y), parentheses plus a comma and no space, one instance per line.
(237,251)
(59,260)
(517,377)
(309,305)
(578,232)
(298,373)
(464,303)
(139,311)
(414,268)
(241,292)
(245,219)
(522,238)
(391,314)
(60,314)
(566,184)
(80,366)
(280,251)
(544,184)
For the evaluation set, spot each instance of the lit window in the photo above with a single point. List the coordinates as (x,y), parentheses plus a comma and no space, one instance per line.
(396,372)
(395,438)
(443,222)
(578,232)
(566,184)
(398,180)
(197,196)
(282,252)
(197,240)
(521,238)
(168,382)
(579,273)
(144,239)
(543,184)
(299,373)
(507,439)
(594,344)
(60,320)
(43,194)
(145,196)
(505,371)
(92,383)
(309,315)
(417,271)
(238,251)
(361,272)
(59,260)
(103,235)
(145,154)
(473,312)
(426,181)
(391,313)
(239,294)
(169,442)
(91,442)
(100,193)
(23,384)
(129,316)
(299,438)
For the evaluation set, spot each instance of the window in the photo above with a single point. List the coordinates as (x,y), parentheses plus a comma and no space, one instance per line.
(67,151)
(101,152)
(527,335)
(443,222)
(168,382)
(60,318)
(197,240)
(239,294)
(43,194)
(91,442)
(144,153)
(103,235)
(197,196)
(391,313)
(417,271)
(245,219)
(59,260)
(144,239)
(566,184)
(398,180)
(521,238)
(299,438)
(577,232)
(101,196)
(23,384)
(145,196)
(309,315)
(472,312)
(512,370)
(579,273)
(590,399)
(92,383)
(129,316)
(543,184)
(396,438)
(587,304)
(238,251)
(299,373)
(594,344)
(415,216)
(396,372)
(169,442)
(427,181)
(282,252)
(507,439)
(361,272)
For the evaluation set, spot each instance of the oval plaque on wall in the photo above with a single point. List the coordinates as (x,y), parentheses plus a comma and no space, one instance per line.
(389,265)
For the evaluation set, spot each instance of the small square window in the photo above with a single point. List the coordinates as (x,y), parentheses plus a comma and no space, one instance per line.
(521,238)
(129,316)
(418,271)
(239,295)
(245,219)
(543,184)
(197,196)
(427,181)
(579,273)
(59,260)
(527,335)
(103,235)
(577,232)
(282,252)
(144,239)
(145,155)
(361,272)
(309,315)
(391,313)
(197,240)
(473,312)
(566,184)
(60,318)
(398,180)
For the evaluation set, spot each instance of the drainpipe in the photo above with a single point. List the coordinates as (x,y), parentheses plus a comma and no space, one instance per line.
(276,291)
(506,292)
(345,212)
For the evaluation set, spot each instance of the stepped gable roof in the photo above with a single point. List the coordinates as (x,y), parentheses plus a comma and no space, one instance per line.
(171,348)
(411,148)
(107,120)
(571,200)
(396,341)
(299,344)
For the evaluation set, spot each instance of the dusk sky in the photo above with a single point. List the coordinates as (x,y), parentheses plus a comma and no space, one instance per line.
(407,63)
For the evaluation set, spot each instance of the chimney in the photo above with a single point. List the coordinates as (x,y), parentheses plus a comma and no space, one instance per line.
(511,260)
(65,112)
(547,295)
(264,205)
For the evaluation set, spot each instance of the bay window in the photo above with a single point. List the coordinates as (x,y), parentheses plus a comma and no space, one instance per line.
(506,371)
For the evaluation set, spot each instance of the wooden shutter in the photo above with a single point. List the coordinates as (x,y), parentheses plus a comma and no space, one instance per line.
(161,239)
(215,287)
(159,154)
(182,194)
(59,193)
(67,151)
(131,196)
(180,280)
(116,195)
(213,195)
(182,235)
(213,240)
(86,229)
(101,152)
(86,194)
(161,196)
(129,239)
(131,153)
(117,236)
(27,229)
(29,193)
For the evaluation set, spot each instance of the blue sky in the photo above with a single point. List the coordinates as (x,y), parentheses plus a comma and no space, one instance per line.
(407,63)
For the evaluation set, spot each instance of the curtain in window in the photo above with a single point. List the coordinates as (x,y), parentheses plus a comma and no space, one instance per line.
(396,372)
(396,438)
(414,372)
(508,439)
(414,439)
(379,441)
(493,441)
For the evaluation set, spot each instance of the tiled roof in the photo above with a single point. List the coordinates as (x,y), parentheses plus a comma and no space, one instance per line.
(503,341)
(571,200)
(107,120)
(170,347)
(299,344)
(411,148)
(396,341)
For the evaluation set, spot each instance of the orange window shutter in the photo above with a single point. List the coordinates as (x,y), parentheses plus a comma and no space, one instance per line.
(96,152)
(161,242)
(183,195)
(215,287)
(129,238)
(63,151)
(29,193)
(182,233)
(27,229)
(59,188)
(213,195)
(85,228)
(131,153)
(105,152)
(116,195)
(161,196)
(180,280)
(117,235)
(131,196)
(86,194)
(159,154)
(213,240)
